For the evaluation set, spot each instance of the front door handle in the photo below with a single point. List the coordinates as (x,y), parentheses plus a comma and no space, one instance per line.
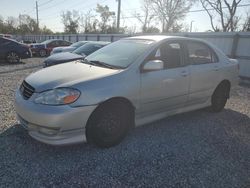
(184,73)
(216,68)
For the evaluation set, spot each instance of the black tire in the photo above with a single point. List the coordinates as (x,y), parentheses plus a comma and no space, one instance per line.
(109,124)
(42,53)
(219,98)
(12,57)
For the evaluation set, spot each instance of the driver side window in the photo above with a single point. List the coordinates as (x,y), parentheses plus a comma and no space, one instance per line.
(169,53)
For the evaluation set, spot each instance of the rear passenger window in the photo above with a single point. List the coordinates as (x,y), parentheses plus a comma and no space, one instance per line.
(199,53)
(64,43)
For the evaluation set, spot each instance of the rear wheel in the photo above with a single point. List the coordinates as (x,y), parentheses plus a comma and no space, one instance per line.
(219,98)
(12,57)
(42,53)
(109,124)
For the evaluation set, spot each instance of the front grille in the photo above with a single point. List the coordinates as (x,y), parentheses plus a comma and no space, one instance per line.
(26,90)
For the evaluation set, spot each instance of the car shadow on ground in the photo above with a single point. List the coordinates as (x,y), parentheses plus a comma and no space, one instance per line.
(195,149)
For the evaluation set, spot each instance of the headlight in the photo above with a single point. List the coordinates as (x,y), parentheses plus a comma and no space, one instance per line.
(59,96)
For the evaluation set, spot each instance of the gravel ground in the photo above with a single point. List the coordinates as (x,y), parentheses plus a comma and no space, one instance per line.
(195,149)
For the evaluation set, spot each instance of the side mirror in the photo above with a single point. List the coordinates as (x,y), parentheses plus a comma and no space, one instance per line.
(83,55)
(153,65)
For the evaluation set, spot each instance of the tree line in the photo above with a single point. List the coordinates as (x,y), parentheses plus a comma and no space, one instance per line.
(23,24)
(155,16)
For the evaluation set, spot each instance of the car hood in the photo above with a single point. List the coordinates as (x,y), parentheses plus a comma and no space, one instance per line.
(62,57)
(64,75)
(64,49)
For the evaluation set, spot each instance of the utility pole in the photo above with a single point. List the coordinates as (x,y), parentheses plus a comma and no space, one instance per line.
(191,26)
(118,14)
(37,20)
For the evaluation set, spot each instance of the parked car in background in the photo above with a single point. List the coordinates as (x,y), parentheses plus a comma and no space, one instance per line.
(43,49)
(79,53)
(130,82)
(28,42)
(13,51)
(70,48)
(6,36)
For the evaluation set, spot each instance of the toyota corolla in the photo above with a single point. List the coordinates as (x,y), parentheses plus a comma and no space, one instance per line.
(128,83)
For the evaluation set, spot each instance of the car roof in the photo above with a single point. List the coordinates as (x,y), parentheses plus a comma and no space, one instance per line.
(158,38)
(98,42)
(6,38)
(50,40)
(152,37)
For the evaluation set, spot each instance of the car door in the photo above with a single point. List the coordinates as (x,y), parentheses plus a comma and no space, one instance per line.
(165,89)
(5,47)
(2,49)
(204,71)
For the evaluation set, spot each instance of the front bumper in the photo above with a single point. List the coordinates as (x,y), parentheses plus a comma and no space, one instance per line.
(55,125)
(26,54)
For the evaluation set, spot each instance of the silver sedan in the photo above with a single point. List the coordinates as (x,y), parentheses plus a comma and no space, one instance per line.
(128,83)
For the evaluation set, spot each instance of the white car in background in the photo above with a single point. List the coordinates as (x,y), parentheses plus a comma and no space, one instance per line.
(130,82)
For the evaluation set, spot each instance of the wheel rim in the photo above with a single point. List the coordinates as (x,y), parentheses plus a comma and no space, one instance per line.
(42,53)
(13,57)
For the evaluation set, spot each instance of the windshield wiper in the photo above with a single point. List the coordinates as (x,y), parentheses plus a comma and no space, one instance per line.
(102,64)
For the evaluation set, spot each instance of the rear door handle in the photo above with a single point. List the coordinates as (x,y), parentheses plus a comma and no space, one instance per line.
(216,68)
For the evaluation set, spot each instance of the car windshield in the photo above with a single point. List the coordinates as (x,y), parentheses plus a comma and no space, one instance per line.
(121,53)
(88,48)
(78,44)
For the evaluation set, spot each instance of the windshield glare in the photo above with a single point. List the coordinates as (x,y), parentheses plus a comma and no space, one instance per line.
(121,53)
(87,49)
(77,44)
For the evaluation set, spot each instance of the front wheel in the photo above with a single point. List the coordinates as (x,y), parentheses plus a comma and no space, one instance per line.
(12,57)
(108,125)
(219,98)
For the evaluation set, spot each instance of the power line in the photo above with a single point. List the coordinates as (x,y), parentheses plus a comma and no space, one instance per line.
(45,3)
(198,10)
(52,15)
(202,10)
(46,8)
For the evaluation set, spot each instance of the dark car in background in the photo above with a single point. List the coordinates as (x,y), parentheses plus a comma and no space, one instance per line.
(43,49)
(79,53)
(70,48)
(13,51)
(6,36)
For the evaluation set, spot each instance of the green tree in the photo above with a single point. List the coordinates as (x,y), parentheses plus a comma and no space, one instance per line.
(152,29)
(70,20)
(171,13)
(46,30)
(88,22)
(147,16)
(106,16)
(224,11)
(246,25)
(27,25)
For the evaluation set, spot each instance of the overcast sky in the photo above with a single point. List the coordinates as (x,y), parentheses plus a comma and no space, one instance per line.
(50,11)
